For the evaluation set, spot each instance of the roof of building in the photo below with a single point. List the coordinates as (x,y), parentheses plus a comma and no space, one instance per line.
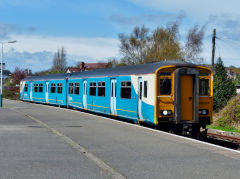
(96,65)
(72,69)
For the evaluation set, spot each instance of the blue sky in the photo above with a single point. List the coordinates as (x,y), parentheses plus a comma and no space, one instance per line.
(89,29)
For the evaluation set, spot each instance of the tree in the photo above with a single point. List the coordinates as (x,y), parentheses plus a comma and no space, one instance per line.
(223,86)
(134,47)
(163,43)
(193,46)
(112,62)
(59,61)
(17,76)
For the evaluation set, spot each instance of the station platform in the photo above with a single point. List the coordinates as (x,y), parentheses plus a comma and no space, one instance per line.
(43,141)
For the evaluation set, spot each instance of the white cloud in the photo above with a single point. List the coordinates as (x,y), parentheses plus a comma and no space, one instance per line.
(36,52)
(95,48)
(199,8)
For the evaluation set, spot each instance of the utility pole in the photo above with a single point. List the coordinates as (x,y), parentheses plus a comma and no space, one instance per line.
(1,82)
(213,47)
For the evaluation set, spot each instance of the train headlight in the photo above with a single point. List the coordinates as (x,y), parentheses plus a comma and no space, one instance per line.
(166,112)
(203,111)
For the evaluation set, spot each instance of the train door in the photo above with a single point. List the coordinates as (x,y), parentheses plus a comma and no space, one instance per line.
(47,92)
(84,94)
(187,97)
(186,87)
(140,98)
(113,96)
(31,90)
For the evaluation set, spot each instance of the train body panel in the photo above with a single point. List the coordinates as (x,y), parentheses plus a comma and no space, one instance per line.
(55,92)
(175,92)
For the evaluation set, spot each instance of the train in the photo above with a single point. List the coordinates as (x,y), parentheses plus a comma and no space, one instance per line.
(172,94)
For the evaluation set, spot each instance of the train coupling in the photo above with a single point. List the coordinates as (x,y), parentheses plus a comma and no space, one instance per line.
(187,129)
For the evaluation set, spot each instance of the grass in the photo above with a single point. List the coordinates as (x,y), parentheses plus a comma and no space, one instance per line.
(225,128)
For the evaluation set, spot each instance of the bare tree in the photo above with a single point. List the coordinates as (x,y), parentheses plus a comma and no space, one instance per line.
(59,60)
(134,47)
(193,46)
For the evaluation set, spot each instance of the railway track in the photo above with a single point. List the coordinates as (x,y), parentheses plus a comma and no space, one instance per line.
(225,138)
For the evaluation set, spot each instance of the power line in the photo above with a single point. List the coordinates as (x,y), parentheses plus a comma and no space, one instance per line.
(218,49)
(230,43)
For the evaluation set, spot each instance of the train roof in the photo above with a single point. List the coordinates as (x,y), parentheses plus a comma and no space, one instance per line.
(47,77)
(138,69)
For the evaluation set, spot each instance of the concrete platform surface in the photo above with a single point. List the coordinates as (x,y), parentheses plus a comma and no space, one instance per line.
(41,141)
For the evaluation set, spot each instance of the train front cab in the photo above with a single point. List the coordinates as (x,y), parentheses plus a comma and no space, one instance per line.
(184,98)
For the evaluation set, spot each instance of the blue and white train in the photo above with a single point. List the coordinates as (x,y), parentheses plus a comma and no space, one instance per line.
(172,92)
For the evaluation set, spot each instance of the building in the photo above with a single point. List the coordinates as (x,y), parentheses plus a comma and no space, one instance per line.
(87,66)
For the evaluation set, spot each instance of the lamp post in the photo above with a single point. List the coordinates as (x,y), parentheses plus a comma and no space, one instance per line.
(1,89)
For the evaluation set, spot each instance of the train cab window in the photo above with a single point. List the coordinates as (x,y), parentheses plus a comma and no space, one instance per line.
(26,88)
(126,89)
(93,89)
(77,87)
(59,87)
(53,87)
(40,87)
(101,89)
(35,87)
(70,89)
(165,86)
(145,89)
(203,86)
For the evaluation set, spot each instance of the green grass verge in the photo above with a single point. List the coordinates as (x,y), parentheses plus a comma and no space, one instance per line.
(225,128)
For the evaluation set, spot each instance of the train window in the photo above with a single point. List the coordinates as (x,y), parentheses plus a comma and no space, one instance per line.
(126,89)
(70,89)
(35,87)
(40,87)
(77,87)
(93,89)
(145,89)
(165,86)
(59,87)
(101,89)
(203,86)
(53,88)
(26,88)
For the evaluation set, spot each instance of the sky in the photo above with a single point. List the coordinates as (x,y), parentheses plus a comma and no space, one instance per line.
(89,29)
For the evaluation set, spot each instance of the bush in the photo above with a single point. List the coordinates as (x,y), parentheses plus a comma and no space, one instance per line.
(10,94)
(229,116)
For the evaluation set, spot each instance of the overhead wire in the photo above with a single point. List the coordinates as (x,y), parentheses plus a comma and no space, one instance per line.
(230,43)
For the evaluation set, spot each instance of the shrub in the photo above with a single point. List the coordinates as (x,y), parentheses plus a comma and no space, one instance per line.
(10,94)
(223,86)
